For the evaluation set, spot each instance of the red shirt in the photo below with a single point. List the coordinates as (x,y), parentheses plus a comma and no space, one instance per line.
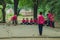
(23,21)
(41,19)
(35,20)
(49,15)
(52,18)
(31,21)
(26,20)
(14,17)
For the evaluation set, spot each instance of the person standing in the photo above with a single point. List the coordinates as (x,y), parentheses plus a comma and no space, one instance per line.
(48,18)
(41,21)
(35,21)
(14,19)
(52,21)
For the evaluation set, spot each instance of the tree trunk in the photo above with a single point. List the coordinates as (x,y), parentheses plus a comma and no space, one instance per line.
(35,11)
(18,11)
(3,12)
(15,8)
(35,8)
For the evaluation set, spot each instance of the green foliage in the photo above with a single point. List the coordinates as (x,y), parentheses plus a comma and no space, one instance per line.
(0,14)
(1,7)
(50,5)
(9,15)
(25,3)
(9,1)
(20,14)
(44,5)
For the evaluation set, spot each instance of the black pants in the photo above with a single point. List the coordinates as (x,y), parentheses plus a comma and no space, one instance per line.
(40,28)
(31,23)
(22,23)
(48,22)
(14,22)
(27,23)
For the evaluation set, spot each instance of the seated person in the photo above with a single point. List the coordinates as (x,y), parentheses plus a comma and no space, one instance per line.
(31,21)
(35,21)
(27,21)
(23,21)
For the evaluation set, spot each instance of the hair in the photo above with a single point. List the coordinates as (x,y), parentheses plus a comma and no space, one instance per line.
(40,13)
(23,18)
(49,11)
(26,18)
(31,18)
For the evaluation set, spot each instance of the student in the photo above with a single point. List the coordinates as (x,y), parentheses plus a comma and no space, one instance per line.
(40,23)
(31,21)
(23,21)
(27,21)
(52,21)
(48,17)
(14,19)
(35,21)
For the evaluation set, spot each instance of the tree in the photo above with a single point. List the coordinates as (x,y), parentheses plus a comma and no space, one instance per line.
(30,4)
(3,11)
(35,7)
(25,4)
(3,3)
(16,6)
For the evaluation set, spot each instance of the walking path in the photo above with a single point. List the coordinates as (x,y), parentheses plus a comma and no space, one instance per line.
(27,31)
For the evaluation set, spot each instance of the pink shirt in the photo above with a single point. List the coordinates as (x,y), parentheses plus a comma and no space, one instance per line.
(23,21)
(14,17)
(52,18)
(26,20)
(35,20)
(31,21)
(49,15)
(41,19)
